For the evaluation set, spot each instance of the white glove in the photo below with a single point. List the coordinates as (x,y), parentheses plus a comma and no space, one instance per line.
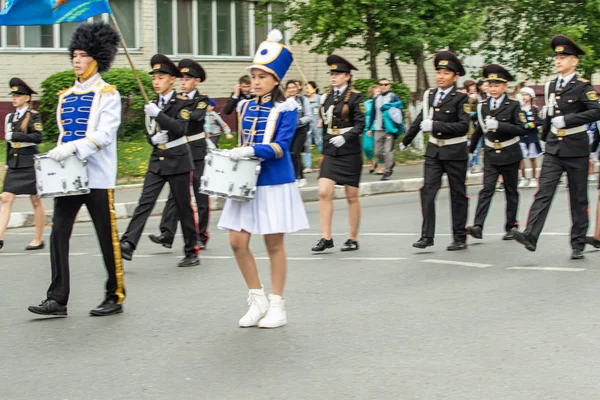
(241,152)
(8,136)
(62,151)
(337,141)
(161,137)
(558,122)
(152,110)
(402,147)
(491,124)
(427,126)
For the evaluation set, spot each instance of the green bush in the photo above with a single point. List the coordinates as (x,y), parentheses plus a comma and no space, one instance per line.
(132,117)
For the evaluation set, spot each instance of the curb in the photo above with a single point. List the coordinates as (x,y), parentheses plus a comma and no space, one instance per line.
(309,194)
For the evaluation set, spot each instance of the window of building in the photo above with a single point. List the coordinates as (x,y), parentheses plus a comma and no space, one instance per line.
(58,37)
(211,28)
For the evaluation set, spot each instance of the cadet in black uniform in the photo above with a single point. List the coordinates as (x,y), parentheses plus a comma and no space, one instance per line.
(571,103)
(171,162)
(446,117)
(343,117)
(193,75)
(23,132)
(500,122)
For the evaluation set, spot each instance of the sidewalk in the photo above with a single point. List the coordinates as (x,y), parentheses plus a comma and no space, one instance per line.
(406,178)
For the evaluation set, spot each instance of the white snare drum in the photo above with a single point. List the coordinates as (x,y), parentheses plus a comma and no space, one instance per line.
(57,179)
(224,177)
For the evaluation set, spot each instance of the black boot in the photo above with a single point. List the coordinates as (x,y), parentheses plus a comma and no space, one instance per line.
(49,307)
(577,254)
(423,243)
(162,240)
(126,251)
(590,240)
(524,239)
(475,231)
(457,245)
(323,244)
(508,236)
(108,307)
(189,261)
(350,245)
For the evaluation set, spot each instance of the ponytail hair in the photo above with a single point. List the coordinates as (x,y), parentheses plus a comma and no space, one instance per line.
(346,109)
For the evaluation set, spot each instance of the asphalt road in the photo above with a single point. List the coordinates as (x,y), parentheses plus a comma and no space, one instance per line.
(386,322)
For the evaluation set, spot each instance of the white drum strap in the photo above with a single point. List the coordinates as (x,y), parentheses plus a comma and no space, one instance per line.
(480,117)
(427,114)
(270,127)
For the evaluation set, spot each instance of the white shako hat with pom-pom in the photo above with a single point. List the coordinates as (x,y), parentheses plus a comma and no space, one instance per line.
(272,56)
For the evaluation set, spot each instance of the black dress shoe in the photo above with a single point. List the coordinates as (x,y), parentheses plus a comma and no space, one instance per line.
(386,176)
(524,239)
(189,261)
(323,244)
(162,240)
(508,236)
(1,244)
(588,240)
(126,251)
(475,231)
(49,307)
(38,247)
(108,307)
(350,245)
(457,245)
(202,245)
(423,243)
(577,254)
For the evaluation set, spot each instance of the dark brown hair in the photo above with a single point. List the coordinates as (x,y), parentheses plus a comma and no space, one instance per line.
(245,80)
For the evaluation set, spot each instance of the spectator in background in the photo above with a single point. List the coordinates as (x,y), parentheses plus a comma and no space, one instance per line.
(470,87)
(240,92)
(305,118)
(214,125)
(384,141)
(476,97)
(368,137)
(315,133)
(530,144)
(299,86)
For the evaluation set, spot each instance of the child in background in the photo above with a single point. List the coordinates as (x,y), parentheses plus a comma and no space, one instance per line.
(215,124)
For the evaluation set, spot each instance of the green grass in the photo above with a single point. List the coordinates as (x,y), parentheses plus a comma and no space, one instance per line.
(134,156)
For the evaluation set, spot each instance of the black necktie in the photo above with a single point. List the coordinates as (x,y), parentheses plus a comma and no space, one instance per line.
(337,94)
(161,103)
(561,84)
(494,105)
(439,102)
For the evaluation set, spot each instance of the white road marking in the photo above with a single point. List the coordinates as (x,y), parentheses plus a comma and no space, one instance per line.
(461,263)
(416,234)
(48,254)
(549,269)
(13,254)
(374,258)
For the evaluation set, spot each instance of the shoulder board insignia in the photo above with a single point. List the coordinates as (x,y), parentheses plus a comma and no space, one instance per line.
(184,114)
(507,103)
(202,105)
(182,97)
(583,80)
(60,92)
(356,91)
(467,108)
(362,107)
(38,126)
(522,117)
(173,100)
(108,89)
(33,111)
(592,96)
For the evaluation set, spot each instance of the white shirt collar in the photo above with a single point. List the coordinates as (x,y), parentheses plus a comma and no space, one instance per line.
(79,86)
(341,90)
(446,92)
(566,79)
(166,98)
(21,112)
(497,101)
(191,94)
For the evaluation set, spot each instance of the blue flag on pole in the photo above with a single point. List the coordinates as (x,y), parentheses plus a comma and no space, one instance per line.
(50,12)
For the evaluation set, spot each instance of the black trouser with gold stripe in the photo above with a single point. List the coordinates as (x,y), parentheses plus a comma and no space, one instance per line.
(100,205)
(170,217)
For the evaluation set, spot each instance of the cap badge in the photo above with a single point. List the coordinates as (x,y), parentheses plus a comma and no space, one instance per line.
(559,48)
(185,70)
(443,63)
(14,88)
(493,76)
(333,66)
(156,67)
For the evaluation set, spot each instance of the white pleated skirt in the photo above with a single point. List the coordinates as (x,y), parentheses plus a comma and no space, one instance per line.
(275,209)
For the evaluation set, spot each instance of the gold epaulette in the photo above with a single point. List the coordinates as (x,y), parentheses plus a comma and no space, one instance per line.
(583,80)
(109,89)
(62,91)
(356,91)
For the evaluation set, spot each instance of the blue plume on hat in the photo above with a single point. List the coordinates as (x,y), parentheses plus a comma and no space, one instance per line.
(272,56)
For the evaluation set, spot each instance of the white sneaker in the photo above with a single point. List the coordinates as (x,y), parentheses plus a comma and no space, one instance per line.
(276,316)
(302,182)
(259,304)
(307,170)
(523,183)
(533,183)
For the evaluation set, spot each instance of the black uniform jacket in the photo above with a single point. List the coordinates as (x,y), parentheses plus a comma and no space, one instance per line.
(355,120)
(198,105)
(511,123)
(22,157)
(450,120)
(174,118)
(578,103)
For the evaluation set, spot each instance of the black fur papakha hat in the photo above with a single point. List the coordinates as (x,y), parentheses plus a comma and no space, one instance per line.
(99,40)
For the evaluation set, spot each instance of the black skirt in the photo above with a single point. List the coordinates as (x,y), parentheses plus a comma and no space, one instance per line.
(20,181)
(344,170)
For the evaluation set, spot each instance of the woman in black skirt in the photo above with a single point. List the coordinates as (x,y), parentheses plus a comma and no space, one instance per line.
(23,132)
(343,115)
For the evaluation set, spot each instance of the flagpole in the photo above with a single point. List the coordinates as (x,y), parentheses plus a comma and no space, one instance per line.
(124,45)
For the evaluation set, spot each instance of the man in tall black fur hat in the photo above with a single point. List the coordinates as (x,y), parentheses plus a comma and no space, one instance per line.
(88,130)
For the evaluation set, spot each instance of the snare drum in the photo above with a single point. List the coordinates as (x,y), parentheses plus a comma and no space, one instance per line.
(57,179)
(224,177)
